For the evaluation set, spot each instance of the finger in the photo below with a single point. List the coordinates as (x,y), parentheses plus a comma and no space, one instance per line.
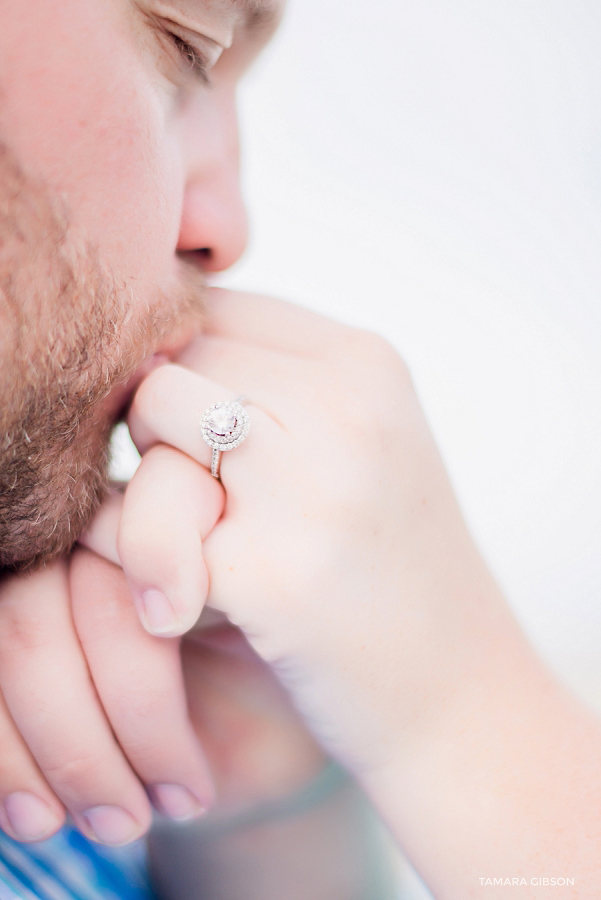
(101,534)
(268,323)
(168,408)
(267,376)
(29,811)
(174,394)
(47,688)
(139,681)
(170,506)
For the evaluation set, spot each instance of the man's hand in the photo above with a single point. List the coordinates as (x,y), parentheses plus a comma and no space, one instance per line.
(94,719)
(93,713)
(91,719)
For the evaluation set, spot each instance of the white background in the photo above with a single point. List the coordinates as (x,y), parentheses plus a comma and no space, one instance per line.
(431,169)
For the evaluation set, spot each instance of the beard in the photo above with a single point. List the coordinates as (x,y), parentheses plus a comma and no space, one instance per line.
(71,338)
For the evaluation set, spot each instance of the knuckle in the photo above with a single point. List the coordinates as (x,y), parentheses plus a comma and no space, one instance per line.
(149,725)
(375,350)
(75,769)
(385,385)
(372,366)
(144,702)
(20,633)
(145,751)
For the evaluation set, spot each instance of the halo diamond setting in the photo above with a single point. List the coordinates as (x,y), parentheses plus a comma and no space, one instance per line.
(224,426)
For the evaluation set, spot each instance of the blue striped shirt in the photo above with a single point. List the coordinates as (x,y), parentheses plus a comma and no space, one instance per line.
(69,867)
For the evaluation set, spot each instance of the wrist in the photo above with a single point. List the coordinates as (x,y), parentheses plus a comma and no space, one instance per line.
(502,781)
(410,695)
(482,677)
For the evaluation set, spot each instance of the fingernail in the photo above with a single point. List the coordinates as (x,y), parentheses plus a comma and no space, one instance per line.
(176,801)
(31,819)
(111,825)
(158,615)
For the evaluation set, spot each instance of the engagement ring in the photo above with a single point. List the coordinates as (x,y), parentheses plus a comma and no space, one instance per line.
(224,426)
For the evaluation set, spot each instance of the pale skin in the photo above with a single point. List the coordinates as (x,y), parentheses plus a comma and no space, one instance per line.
(107,104)
(385,625)
(352,572)
(343,557)
(107,114)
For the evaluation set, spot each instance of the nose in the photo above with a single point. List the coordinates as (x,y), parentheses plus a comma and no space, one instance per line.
(213,223)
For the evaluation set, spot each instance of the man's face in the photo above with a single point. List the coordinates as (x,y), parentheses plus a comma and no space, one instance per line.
(118,190)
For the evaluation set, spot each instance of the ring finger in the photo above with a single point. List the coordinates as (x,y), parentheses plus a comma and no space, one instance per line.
(168,407)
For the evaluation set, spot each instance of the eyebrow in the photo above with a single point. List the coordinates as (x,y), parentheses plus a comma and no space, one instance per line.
(257,15)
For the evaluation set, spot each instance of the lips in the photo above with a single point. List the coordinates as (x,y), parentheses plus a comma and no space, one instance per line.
(120,398)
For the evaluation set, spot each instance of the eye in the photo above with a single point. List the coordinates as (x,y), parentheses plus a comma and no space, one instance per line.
(192,53)
(198,64)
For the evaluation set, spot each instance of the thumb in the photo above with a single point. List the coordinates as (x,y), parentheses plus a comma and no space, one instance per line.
(155,532)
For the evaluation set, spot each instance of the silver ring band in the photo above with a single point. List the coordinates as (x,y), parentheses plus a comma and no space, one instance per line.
(224,426)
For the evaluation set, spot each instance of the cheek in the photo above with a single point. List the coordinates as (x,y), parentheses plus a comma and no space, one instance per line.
(83,112)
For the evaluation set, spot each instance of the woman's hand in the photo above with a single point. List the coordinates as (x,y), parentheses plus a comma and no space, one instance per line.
(343,557)
(341,553)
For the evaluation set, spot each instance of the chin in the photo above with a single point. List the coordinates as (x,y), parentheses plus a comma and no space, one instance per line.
(74,344)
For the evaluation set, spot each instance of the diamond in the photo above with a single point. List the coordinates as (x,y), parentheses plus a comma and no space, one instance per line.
(221,421)
(225,426)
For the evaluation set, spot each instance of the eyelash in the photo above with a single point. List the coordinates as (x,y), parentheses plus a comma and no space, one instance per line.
(192,57)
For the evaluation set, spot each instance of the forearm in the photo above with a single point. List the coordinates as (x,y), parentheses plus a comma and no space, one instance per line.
(507,785)
(305,847)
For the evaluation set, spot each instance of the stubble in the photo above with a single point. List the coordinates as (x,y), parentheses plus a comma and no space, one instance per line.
(69,337)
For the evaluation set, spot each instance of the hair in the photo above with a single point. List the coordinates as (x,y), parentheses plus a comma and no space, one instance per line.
(69,335)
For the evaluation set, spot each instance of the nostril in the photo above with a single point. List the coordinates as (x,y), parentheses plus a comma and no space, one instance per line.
(201,257)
